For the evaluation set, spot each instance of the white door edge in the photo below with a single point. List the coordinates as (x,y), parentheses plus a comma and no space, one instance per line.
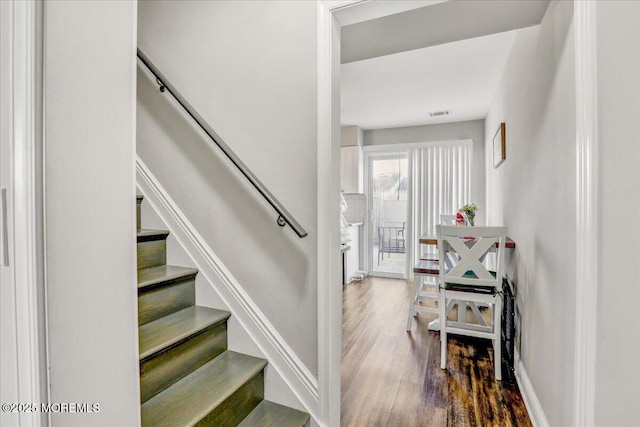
(587,179)
(24,207)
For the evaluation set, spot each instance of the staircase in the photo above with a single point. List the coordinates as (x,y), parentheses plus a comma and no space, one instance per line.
(188,377)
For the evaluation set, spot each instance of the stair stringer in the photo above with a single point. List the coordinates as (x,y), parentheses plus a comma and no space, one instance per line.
(247,317)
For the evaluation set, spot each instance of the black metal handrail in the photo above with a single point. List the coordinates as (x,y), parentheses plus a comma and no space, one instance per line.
(284,217)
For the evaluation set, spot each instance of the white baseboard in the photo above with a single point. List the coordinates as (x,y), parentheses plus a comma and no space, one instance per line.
(536,414)
(280,356)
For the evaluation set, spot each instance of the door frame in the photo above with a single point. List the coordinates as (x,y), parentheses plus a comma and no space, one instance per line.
(587,221)
(27,342)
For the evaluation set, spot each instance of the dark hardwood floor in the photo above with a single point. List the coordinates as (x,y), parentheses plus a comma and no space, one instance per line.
(391,377)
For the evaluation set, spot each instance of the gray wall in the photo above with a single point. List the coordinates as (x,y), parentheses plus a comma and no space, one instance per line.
(473,130)
(90,86)
(533,194)
(618,333)
(249,68)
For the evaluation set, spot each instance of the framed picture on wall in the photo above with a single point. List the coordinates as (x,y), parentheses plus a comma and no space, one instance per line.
(499,146)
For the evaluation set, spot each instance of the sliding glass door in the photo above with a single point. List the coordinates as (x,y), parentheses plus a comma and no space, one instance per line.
(407,189)
(388,201)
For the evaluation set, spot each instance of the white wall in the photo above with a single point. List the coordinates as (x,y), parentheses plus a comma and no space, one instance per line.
(90,88)
(618,333)
(473,130)
(249,68)
(533,193)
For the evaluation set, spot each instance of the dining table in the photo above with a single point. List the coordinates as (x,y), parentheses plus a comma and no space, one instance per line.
(434,325)
(431,239)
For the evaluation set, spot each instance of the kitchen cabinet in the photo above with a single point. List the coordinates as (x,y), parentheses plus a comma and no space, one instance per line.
(351,169)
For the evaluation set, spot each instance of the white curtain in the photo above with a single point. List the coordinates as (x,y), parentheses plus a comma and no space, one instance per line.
(441,184)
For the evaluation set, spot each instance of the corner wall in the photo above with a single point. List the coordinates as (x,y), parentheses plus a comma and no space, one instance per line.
(533,193)
(89,111)
(617,390)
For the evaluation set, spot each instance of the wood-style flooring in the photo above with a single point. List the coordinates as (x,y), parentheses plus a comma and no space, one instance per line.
(391,377)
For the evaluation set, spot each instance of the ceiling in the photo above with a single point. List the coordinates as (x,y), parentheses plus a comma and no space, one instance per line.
(398,68)
(401,89)
(377,9)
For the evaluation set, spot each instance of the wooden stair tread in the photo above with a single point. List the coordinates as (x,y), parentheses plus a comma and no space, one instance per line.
(270,414)
(168,331)
(145,235)
(194,396)
(427,267)
(163,274)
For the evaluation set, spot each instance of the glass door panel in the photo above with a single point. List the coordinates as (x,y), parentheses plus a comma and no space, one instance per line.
(388,206)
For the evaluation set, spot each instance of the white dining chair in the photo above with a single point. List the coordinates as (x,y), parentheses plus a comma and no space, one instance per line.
(431,254)
(469,279)
(425,288)
(448,219)
(425,279)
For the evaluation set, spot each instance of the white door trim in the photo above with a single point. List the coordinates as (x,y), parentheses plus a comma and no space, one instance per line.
(26,248)
(328,231)
(586,212)
(328,228)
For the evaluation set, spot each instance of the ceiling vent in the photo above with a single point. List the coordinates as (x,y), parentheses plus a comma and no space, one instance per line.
(439,113)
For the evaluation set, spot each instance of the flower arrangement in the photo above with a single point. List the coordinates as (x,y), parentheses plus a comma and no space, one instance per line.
(469,211)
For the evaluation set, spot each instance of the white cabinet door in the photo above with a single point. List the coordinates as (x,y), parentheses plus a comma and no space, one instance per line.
(351,169)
